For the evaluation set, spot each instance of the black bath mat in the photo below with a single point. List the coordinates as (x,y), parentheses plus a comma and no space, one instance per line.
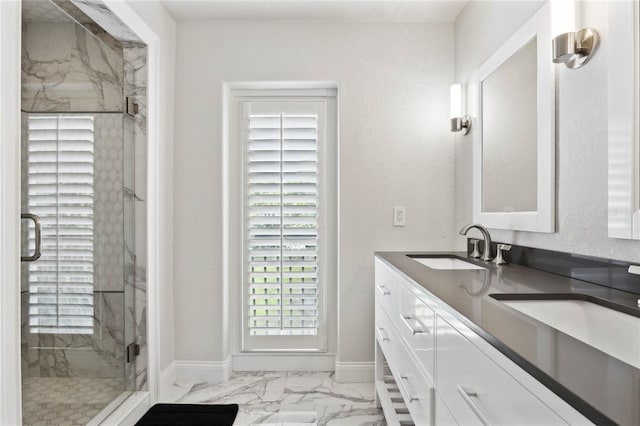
(189,415)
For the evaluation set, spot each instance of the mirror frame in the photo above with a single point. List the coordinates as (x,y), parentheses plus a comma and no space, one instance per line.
(624,111)
(543,219)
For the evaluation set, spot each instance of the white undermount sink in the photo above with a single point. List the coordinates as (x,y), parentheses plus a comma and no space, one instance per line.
(446,263)
(608,330)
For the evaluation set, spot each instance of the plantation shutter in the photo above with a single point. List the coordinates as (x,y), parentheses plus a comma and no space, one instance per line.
(281,198)
(60,191)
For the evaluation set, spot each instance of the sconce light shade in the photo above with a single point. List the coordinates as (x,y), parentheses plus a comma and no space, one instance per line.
(456,100)
(575,49)
(459,121)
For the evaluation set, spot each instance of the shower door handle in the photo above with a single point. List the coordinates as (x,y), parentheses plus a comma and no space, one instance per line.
(38,228)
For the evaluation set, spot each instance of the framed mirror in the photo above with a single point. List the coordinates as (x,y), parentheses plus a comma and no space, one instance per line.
(514,132)
(624,120)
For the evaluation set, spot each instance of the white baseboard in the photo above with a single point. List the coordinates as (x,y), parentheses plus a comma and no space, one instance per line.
(178,377)
(201,371)
(283,362)
(219,371)
(355,372)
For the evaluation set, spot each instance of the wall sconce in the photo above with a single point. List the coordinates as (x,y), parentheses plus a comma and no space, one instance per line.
(575,49)
(570,47)
(459,121)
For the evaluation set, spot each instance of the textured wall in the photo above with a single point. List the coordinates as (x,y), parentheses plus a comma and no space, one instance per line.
(581,171)
(395,150)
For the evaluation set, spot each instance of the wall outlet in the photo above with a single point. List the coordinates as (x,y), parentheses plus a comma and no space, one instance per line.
(399,216)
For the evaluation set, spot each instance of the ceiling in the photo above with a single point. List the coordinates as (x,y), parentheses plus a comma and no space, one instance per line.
(417,11)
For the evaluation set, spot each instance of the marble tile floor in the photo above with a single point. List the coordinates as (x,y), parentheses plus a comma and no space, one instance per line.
(66,401)
(288,398)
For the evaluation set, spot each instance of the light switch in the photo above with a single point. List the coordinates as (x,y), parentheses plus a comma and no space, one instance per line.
(399,216)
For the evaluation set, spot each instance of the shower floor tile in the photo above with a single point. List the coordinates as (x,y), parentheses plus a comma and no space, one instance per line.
(66,401)
(290,398)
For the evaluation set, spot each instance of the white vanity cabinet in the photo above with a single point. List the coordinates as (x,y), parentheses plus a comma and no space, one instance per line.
(445,372)
(478,391)
(405,339)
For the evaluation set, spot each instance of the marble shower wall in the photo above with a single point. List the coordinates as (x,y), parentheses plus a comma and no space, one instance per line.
(65,69)
(109,214)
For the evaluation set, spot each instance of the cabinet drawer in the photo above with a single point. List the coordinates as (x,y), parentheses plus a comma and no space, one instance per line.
(443,416)
(416,323)
(386,283)
(416,389)
(386,336)
(477,391)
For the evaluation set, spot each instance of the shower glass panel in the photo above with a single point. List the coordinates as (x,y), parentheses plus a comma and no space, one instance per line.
(78,179)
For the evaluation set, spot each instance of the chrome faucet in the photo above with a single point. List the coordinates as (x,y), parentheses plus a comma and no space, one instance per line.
(486,255)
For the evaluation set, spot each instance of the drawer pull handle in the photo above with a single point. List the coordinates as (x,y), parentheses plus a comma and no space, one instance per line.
(383,335)
(383,290)
(467,393)
(403,384)
(420,330)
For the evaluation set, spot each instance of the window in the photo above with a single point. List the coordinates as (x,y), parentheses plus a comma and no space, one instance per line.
(283,255)
(60,191)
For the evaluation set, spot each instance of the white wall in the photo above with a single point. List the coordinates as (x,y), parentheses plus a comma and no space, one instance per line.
(395,149)
(161,23)
(581,171)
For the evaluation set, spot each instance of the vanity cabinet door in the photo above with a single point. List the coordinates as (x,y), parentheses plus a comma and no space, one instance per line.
(386,335)
(417,390)
(478,391)
(386,288)
(443,416)
(416,323)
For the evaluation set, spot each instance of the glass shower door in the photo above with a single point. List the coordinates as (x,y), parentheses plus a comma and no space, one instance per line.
(74,298)
(77,177)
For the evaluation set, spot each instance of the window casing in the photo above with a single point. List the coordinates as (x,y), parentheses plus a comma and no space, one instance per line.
(284,253)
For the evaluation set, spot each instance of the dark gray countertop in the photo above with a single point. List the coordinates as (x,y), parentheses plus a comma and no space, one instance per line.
(601,387)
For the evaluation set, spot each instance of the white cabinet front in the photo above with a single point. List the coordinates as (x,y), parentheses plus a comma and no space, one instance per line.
(386,335)
(416,389)
(479,392)
(443,416)
(416,323)
(387,284)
